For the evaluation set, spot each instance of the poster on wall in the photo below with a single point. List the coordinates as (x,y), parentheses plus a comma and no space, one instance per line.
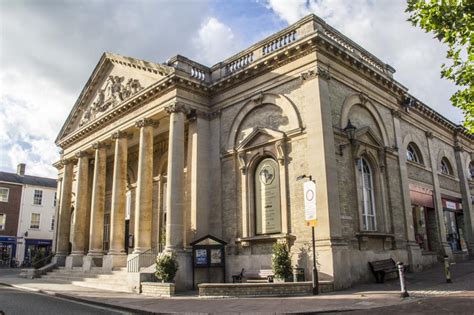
(201,257)
(267,198)
(216,256)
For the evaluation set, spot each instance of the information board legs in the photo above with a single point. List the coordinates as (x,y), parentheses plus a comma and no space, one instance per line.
(315,270)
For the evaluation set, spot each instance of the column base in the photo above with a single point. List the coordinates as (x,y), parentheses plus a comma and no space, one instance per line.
(74,260)
(184,279)
(60,259)
(139,250)
(92,261)
(112,261)
(415,257)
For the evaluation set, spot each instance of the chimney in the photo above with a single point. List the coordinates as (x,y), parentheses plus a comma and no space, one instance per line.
(20,169)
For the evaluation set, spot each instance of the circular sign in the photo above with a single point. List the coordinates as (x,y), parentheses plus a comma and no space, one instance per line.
(309,195)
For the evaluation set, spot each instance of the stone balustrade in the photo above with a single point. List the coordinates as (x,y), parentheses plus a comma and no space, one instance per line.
(280,42)
(240,63)
(198,74)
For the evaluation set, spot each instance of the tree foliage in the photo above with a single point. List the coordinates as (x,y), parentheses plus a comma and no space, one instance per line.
(166,266)
(452,23)
(281,260)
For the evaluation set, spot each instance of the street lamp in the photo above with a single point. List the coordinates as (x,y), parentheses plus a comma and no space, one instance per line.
(350,131)
(315,270)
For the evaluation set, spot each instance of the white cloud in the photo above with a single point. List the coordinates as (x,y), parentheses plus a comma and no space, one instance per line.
(381,28)
(215,42)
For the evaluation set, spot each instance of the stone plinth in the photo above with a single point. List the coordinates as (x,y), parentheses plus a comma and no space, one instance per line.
(91,261)
(112,261)
(74,261)
(157,288)
(262,289)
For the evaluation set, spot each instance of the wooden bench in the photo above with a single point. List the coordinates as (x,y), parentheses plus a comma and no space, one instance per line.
(382,267)
(259,276)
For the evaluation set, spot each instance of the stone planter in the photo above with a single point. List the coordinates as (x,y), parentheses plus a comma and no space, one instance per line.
(158,289)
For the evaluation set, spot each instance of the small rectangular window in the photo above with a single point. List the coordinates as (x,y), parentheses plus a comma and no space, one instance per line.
(3,219)
(4,194)
(52,223)
(38,197)
(35,221)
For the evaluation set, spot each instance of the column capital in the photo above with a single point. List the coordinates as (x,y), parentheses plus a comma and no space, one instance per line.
(65,162)
(175,108)
(396,113)
(144,122)
(100,145)
(119,134)
(81,154)
(429,134)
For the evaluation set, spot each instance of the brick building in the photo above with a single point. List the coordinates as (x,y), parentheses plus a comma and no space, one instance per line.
(156,156)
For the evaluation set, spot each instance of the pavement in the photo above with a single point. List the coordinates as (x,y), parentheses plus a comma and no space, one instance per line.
(428,290)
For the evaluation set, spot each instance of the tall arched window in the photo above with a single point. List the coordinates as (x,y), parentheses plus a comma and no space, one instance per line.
(413,153)
(267,197)
(368,207)
(446,167)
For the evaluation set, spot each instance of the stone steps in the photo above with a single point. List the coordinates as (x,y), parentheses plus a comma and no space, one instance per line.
(115,280)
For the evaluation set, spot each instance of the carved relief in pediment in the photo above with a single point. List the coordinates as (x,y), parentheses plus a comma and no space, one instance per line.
(114,91)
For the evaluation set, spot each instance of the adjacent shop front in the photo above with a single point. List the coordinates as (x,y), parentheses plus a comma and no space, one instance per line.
(7,250)
(454,222)
(424,218)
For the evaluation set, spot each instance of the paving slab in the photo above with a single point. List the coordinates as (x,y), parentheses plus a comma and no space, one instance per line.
(421,286)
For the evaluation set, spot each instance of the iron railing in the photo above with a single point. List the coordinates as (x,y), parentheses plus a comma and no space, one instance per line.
(42,262)
(145,259)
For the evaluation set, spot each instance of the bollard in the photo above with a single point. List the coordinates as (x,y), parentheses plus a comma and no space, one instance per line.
(401,273)
(447,272)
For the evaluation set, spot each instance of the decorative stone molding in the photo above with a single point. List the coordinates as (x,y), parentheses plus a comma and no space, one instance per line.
(396,113)
(145,122)
(81,154)
(119,134)
(310,74)
(280,150)
(242,162)
(429,134)
(100,145)
(258,99)
(175,108)
(363,98)
(323,73)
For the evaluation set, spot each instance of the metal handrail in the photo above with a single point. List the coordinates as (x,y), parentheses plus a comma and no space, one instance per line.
(43,261)
(144,259)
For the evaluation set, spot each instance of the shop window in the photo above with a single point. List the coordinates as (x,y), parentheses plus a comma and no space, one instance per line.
(452,230)
(4,194)
(38,197)
(446,167)
(414,154)
(3,219)
(35,221)
(267,197)
(368,207)
(420,227)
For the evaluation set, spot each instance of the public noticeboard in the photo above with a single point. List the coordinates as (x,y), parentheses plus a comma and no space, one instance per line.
(310,203)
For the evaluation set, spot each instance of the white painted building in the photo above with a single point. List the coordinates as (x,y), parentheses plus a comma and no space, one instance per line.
(36,214)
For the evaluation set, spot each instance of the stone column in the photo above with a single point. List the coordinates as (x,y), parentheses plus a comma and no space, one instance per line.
(80,212)
(116,256)
(281,153)
(174,196)
(64,219)
(96,234)
(443,248)
(415,258)
(467,208)
(143,199)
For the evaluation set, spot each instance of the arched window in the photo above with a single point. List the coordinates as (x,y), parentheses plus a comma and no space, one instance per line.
(368,207)
(413,153)
(446,167)
(471,171)
(267,197)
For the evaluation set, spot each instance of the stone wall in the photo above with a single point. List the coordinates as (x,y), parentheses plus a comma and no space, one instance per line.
(157,288)
(260,289)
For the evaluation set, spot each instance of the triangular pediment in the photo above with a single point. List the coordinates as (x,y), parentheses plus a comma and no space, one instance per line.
(367,135)
(260,136)
(114,80)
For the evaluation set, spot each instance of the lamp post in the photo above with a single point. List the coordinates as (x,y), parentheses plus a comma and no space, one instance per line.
(310,216)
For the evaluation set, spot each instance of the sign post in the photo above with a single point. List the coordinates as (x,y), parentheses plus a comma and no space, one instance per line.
(310,215)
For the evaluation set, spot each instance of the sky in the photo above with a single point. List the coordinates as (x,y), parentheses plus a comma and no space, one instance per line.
(49,48)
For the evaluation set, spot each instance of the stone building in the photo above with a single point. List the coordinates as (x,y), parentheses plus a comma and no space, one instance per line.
(156,156)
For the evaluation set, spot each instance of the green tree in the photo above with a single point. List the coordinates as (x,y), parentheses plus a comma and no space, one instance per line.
(166,266)
(452,23)
(281,260)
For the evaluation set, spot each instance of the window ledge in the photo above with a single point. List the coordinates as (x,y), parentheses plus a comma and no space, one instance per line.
(428,253)
(449,176)
(419,165)
(374,234)
(263,238)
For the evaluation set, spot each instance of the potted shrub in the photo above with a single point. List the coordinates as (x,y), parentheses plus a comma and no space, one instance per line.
(166,267)
(281,261)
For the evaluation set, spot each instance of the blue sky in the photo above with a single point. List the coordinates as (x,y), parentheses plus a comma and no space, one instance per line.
(49,48)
